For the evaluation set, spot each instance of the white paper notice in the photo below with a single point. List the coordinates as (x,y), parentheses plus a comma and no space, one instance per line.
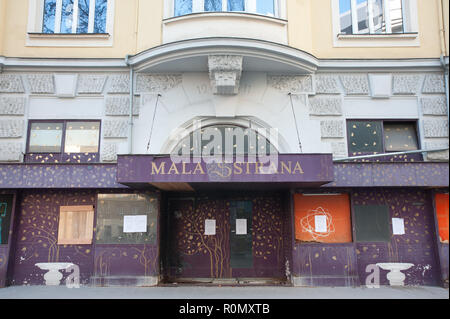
(210,226)
(241,227)
(135,224)
(398,226)
(320,223)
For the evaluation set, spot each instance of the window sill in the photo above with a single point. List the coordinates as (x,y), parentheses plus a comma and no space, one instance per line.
(69,39)
(377,40)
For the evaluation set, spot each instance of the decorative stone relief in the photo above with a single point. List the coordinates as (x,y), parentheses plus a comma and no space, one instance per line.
(41,83)
(157,83)
(109,152)
(339,149)
(120,105)
(119,83)
(435,127)
(332,128)
(434,83)
(434,105)
(115,128)
(325,105)
(437,156)
(355,84)
(406,83)
(11,83)
(12,105)
(10,152)
(91,83)
(11,128)
(291,83)
(327,83)
(225,73)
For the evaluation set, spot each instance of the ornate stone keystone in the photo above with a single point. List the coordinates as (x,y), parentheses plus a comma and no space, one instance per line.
(225,73)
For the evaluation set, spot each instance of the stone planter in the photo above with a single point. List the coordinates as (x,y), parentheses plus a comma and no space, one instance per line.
(395,276)
(53,276)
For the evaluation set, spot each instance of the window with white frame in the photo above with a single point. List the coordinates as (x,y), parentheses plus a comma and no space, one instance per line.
(263,7)
(74,16)
(373,16)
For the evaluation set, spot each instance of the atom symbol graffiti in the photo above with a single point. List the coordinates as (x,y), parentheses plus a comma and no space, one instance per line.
(308,223)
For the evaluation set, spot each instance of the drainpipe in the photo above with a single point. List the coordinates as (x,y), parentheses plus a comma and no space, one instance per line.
(442,37)
(130,120)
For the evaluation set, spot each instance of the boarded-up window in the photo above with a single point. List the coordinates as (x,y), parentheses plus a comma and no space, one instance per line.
(400,137)
(322,218)
(372,223)
(76,225)
(364,137)
(442,216)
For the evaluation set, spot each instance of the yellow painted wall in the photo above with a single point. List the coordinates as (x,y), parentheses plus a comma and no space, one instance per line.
(2,23)
(446,14)
(138,27)
(128,33)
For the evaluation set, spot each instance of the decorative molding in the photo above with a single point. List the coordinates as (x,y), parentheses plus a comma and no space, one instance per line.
(115,128)
(10,152)
(380,85)
(325,105)
(332,128)
(65,84)
(437,156)
(435,127)
(327,84)
(41,83)
(291,83)
(11,83)
(157,83)
(225,73)
(91,83)
(11,128)
(355,84)
(434,105)
(109,152)
(12,105)
(119,105)
(119,83)
(434,83)
(406,84)
(339,149)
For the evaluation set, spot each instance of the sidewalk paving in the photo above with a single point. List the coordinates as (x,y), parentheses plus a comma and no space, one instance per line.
(199,292)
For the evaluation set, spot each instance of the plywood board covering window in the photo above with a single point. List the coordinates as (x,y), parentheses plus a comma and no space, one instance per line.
(76,225)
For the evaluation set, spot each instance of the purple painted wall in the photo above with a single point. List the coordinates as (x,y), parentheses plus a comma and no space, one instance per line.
(3,264)
(345,264)
(416,246)
(36,241)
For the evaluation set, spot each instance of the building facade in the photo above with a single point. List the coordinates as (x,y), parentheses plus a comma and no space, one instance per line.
(289,142)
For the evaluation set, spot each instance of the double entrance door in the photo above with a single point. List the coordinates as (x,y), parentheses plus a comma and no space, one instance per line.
(224,238)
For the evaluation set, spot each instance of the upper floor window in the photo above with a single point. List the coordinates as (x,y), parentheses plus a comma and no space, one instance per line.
(63,141)
(372,16)
(74,16)
(263,7)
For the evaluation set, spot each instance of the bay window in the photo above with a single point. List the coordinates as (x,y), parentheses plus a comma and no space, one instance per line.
(263,7)
(372,16)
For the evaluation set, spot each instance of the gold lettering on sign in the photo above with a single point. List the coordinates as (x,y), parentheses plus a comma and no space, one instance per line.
(288,169)
(184,170)
(174,168)
(299,168)
(237,169)
(199,168)
(159,171)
